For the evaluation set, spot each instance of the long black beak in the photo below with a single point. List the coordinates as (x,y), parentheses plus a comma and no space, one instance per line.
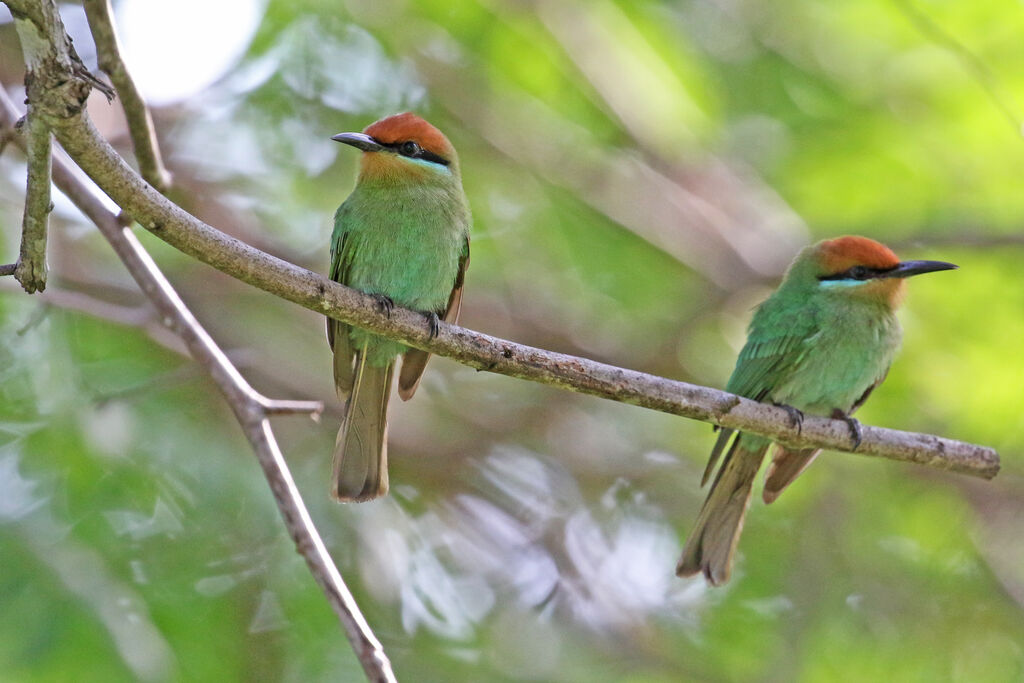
(359,140)
(908,268)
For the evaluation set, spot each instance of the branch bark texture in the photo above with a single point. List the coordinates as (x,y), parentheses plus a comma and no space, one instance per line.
(30,270)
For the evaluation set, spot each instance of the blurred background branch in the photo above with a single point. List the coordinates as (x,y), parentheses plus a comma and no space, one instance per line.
(980,71)
(140,122)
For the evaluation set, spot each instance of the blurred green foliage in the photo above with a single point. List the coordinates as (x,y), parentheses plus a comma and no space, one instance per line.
(640,173)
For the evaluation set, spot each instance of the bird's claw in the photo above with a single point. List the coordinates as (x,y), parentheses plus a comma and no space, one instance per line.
(796,417)
(856,431)
(435,324)
(384,304)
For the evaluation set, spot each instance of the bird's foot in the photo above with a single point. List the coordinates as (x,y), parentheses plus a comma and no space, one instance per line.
(435,324)
(856,431)
(796,417)
(384,304)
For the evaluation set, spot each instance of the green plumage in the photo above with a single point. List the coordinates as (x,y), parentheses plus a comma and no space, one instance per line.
(817,347)
(403,234)
(404,240)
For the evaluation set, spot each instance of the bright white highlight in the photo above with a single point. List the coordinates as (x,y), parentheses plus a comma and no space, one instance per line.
(176,48)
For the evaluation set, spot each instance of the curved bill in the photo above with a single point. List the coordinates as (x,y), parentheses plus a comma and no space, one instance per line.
(359,140)
(908,268)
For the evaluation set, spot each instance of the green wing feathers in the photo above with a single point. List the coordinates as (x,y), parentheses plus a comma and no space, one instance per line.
(360,451)
(769,356)
(414,361)
(337,331)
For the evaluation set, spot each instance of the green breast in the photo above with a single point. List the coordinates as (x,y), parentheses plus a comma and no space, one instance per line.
(850,352)
(404,242)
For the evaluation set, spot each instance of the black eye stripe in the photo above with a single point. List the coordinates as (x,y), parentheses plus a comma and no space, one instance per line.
(856,273)
(409,148)
(434,158)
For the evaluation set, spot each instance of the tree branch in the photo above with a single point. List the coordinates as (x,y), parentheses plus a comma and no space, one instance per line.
(30,271)
(250,408)
(54,76)
(140,122)
(190,235)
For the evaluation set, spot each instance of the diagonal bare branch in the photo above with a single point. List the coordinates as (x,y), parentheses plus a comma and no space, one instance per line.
(250,408)
(140,122)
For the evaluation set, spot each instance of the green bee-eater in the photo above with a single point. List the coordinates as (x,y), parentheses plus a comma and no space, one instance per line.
(403,236)
(819,344)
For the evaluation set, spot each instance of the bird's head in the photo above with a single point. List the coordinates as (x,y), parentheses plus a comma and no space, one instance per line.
(859,267)
(403,148)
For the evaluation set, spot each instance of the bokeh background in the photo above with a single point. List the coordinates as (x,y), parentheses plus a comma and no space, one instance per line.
(640,174)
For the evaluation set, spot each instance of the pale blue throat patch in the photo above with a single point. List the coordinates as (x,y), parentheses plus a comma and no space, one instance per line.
(849,282)
(439,168)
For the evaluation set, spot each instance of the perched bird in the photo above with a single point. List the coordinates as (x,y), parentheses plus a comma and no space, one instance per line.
(819,344)
(403,236)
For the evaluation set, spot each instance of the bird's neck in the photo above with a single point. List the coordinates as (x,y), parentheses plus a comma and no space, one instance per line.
(389,191)
(389,170)
(886,293)
(883,296)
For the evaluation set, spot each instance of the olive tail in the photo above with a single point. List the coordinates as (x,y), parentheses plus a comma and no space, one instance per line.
(710,547)
(361,449)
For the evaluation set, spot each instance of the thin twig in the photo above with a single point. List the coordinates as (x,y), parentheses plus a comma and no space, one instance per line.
(969,238)
(250,408)
(30,271)
(8,269)
(140,122)
(142,317)
(973,64)
(52,66)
